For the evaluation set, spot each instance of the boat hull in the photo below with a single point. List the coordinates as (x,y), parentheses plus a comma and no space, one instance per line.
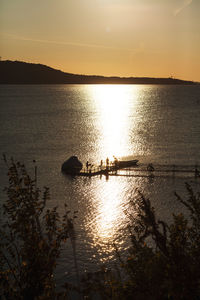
(126,164)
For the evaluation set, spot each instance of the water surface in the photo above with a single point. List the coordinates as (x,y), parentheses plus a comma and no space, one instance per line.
(157,124)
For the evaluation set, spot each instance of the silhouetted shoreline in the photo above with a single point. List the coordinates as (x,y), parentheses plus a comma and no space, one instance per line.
(17,72)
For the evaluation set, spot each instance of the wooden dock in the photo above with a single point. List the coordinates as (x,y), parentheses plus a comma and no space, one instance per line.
(143,170)
(94,171)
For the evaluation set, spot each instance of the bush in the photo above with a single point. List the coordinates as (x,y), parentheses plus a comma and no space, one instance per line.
(31,238)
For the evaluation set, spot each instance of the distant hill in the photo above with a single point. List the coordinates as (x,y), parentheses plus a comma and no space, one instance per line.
(16,72)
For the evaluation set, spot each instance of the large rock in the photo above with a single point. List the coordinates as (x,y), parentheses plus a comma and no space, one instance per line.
(72,165)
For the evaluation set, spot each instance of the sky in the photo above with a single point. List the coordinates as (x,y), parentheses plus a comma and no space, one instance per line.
(155,38)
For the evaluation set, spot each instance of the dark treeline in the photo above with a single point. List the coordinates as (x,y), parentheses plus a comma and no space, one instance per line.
(16,72)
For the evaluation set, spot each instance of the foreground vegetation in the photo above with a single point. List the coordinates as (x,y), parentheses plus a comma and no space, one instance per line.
(163,260)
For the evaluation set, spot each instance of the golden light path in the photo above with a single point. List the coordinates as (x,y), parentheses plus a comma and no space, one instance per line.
(116,106)
(113,102)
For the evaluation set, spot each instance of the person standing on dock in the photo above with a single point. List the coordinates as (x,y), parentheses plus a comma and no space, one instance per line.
(87,165)
(107,163)
(101,164)
(150,168)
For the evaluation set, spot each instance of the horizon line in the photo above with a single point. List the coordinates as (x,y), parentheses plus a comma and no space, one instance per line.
(94,75)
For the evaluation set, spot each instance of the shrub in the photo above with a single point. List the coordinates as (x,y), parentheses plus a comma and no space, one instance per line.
(163,260)
(31,238)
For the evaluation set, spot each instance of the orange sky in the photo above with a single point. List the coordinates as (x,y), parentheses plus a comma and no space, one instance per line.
(158,38)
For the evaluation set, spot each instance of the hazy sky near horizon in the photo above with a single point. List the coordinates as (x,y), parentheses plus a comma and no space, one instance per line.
(158,38)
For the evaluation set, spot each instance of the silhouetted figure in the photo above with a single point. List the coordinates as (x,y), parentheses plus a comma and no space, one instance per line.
(107,161)
(87,165)
(150,168)
(101,164)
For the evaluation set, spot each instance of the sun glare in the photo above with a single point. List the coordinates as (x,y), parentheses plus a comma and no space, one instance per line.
(117,108)
(110,216)
(113,104)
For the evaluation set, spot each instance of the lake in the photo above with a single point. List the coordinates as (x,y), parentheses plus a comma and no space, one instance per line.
(50,123)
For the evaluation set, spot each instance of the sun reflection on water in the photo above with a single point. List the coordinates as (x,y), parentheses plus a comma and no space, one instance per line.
(107,218)
(116,109)
(109,211)
(113,102)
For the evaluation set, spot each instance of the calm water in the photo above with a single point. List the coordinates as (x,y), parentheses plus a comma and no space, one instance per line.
(157,124)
